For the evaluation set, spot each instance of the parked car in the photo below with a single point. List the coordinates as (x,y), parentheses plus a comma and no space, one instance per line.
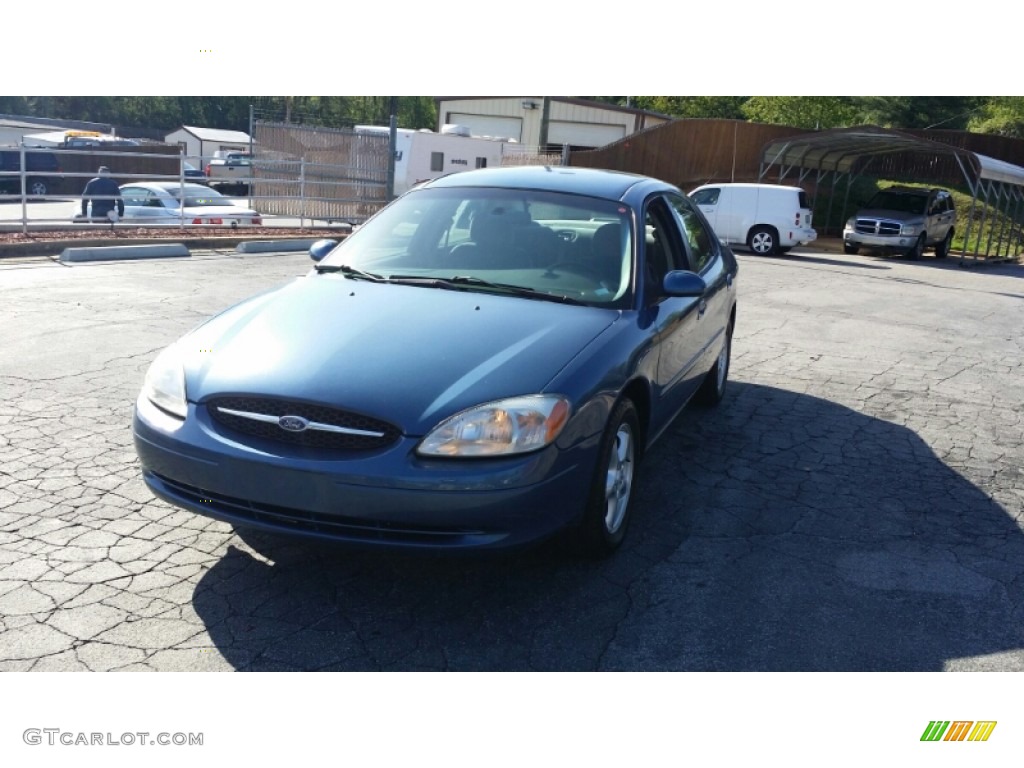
(767,218)
(481,364)
(42,169)
(193,174)
(903,219)
(160,203)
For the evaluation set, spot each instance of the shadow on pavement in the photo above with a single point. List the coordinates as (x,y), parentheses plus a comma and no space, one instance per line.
(792,258)
(778,532)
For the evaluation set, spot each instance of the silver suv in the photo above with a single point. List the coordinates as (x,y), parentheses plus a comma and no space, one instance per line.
(903,219)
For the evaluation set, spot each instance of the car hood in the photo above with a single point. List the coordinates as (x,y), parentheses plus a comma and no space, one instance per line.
(881,213)
(409,355)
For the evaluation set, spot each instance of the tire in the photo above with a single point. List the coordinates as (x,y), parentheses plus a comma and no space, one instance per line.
(712,389)
(917,251)
(763,241)
(850,250)
(942,249)
(610,499)
(37,188)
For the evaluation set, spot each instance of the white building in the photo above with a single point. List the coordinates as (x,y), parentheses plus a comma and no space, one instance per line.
(580,123)
(201,143)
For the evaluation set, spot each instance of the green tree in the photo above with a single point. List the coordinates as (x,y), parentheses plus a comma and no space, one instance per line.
(948,112)
(1002,115)
(725,107)
(802,111)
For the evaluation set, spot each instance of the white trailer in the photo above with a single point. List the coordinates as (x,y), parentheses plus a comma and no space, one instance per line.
(423,155)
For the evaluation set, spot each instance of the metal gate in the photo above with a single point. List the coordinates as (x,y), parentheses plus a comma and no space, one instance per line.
(330,174)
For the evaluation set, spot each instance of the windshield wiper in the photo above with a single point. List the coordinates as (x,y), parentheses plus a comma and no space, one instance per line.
(518,290)
(352,272)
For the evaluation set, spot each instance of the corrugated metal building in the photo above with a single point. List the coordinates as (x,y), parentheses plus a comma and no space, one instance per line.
(579,123)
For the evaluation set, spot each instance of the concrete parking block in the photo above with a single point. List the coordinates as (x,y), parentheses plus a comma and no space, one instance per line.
(275,246)
(121,252)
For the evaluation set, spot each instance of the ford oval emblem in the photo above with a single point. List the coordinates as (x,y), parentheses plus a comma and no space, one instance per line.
(293,423)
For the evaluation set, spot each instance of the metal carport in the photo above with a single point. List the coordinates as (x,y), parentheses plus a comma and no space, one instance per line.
(849,152)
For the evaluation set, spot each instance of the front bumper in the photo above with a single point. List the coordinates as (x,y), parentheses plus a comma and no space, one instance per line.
(882,242)
(390,498)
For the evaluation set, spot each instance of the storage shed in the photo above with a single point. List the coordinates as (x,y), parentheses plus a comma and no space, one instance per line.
(201,143)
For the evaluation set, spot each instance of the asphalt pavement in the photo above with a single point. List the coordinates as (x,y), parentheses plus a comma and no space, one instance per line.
(855,503)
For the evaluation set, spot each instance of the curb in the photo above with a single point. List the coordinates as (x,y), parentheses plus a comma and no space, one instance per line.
(118,252)
(266,246)
(56,247)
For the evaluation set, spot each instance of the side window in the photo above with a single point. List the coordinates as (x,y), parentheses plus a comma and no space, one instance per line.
(706,196)
(134,196)
(699,241)
(481,162)
(437,161)
(662,249)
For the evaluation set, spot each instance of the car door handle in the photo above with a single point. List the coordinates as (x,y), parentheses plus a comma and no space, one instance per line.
(702,307)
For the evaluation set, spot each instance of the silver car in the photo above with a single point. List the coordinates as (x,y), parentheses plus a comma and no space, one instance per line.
(161,203)
(903,219)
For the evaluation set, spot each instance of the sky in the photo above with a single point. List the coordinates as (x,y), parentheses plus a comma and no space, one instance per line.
(795,47)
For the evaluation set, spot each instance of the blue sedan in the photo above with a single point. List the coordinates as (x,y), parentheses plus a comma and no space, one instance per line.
(481,365)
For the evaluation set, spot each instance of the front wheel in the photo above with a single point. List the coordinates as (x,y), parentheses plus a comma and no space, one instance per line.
(763,241)
(611,492)
(712,389)
(850,249)
(918,250)
(37,188)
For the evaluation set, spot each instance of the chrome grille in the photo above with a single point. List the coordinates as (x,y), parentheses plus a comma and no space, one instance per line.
(329,428)
(878,227)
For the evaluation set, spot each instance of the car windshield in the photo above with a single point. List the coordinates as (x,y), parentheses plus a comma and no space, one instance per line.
(898,201)
(196,196)
(550,244)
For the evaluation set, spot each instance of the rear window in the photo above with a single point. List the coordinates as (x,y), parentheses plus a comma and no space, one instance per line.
(803,200)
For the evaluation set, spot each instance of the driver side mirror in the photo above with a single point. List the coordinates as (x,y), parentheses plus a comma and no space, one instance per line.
(321,248)
(683,283)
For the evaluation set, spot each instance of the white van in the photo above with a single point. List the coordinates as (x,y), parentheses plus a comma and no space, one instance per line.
(767,218)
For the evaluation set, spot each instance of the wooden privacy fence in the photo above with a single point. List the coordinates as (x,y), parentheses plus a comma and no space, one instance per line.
(125,164)
(688,153)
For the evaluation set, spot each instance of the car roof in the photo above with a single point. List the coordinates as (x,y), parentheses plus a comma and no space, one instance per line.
(167,186)
(747,185)
(592,182)
(909,190)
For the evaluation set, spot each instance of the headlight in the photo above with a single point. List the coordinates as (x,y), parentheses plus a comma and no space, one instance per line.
(501,428)
(165,383)
(909,229)
(850,224)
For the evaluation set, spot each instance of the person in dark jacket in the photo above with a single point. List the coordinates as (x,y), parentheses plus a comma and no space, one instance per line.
(104,194)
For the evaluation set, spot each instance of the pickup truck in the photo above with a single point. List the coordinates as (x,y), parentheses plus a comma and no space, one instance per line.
(230,172)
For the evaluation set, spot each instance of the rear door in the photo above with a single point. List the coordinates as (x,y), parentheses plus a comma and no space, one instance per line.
(940,216)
